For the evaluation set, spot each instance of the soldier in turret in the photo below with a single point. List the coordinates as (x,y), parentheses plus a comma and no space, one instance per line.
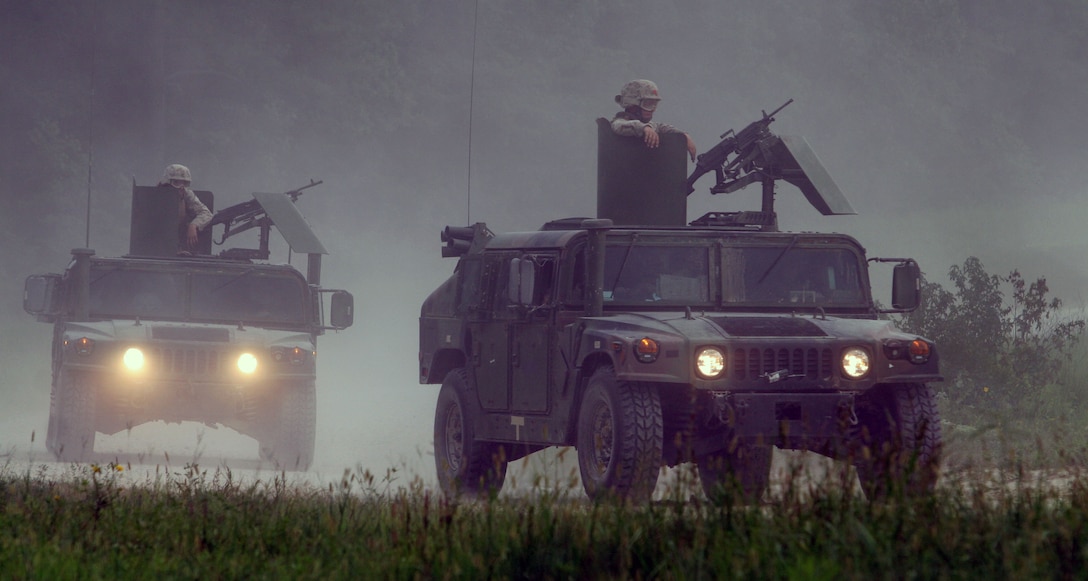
(639,99)
(193,215)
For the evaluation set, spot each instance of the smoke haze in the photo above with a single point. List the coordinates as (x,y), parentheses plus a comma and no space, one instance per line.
(954,128)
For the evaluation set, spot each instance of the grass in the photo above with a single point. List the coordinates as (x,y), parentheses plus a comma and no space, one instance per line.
(94,523)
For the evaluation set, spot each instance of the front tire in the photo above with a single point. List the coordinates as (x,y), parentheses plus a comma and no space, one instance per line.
(72,415)
(898,441)
(620,435)
(465,465)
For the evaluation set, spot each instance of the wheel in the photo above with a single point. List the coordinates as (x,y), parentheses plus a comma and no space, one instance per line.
(620,434)
(465,465)
(740,469)
(290,444)
(898,441)
(72,417)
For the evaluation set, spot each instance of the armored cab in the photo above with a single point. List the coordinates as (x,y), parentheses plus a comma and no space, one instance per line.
(227,339)
(644,341)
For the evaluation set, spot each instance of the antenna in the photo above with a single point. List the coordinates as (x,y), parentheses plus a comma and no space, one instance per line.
(90,120)
(471,101)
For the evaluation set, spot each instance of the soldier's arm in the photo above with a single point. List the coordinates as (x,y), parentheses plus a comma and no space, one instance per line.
(629,128)
(203,214)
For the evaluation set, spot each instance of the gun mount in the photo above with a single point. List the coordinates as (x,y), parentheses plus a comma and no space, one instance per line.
(256,214)
(761,156)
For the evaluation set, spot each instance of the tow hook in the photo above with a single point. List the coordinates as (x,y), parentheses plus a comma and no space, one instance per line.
(723,413)
(846,411)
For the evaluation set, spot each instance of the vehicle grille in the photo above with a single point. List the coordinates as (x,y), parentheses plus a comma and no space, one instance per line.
(187,361)
(810,364)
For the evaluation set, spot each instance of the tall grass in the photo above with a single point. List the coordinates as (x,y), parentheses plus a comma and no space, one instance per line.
(94,523)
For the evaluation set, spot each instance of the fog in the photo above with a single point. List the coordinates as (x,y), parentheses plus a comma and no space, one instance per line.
(954,129)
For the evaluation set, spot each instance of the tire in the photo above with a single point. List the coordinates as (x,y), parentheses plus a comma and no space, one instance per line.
(466,466)
(741,470)
(897,443)
(620,436)
(291,442)
(72,404)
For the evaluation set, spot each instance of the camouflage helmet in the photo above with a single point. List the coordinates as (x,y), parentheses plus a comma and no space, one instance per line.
(634,92)
(176,171)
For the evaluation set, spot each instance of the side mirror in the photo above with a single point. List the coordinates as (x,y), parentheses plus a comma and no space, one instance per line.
(906,286)
(41,294)
(342,310)
(519,289)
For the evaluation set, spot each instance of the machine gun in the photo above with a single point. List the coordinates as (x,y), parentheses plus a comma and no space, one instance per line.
(749,144)
(247,215)
(764,157)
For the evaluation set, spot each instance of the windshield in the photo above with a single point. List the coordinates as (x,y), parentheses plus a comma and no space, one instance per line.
(135,293)
(250,296)
(783,274)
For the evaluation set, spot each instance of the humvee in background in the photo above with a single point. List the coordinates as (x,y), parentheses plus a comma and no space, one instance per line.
(221,339)
(643,341)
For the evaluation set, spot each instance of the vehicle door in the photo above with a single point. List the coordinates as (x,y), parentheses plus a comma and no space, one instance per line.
(489,329)
(532,336)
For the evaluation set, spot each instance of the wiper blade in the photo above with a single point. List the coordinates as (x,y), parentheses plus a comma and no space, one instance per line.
(236,278)
(793,241)
(623,263)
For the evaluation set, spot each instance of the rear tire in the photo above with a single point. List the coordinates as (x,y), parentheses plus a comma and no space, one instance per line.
(620,435)
(898,441)
(72,404)
(465,465)
(290,445)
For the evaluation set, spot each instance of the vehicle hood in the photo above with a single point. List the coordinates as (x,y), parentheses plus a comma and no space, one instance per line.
(714,327)
(143,332)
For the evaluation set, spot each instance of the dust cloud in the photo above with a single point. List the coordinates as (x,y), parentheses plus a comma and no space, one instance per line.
(952,129)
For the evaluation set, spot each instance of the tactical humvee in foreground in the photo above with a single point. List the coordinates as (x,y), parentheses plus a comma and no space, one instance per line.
(226,339)
(658,344)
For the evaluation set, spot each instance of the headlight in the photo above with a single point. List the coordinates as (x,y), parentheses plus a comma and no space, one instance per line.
(247,363)
(133,359)
(710,362)
(855,363)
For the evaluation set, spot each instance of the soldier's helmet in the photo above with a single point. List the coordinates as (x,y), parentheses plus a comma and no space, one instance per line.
(177,172)
(639,92)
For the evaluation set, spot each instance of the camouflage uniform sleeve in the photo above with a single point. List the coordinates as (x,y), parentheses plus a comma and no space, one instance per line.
(664,127)
(622,125)
(203,214)
(628,127)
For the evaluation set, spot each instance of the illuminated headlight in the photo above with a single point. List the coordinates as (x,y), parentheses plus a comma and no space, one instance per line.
(133,359)
(710,362)
(247,363)
(855,363)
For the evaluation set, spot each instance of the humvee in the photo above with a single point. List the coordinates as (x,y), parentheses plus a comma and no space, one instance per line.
(224,339)
(644,342)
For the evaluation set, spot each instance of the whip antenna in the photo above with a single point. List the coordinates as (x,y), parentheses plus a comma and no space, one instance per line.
(90,120)
(471,101)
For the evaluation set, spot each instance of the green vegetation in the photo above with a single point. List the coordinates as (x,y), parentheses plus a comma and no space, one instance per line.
(1011,355)
(93,523)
